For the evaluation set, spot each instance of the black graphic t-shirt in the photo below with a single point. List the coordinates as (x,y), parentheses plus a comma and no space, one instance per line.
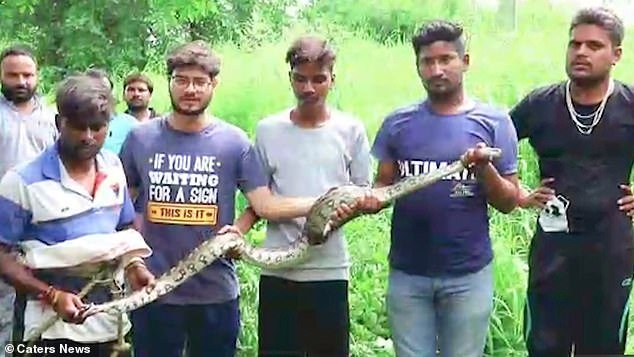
(587,169)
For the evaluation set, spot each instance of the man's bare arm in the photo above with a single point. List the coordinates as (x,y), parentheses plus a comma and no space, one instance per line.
(502,192)
(18,275)
(66,304)
(386,174)
(134,192)
(247,220)
(538,197)
(276,208)
(137,224)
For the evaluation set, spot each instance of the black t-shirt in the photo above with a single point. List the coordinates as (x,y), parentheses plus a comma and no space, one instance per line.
(588,169)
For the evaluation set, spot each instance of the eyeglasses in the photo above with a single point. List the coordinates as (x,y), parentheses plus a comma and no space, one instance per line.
(184,82)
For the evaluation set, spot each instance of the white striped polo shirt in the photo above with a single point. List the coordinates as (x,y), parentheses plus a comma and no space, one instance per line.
(41,205)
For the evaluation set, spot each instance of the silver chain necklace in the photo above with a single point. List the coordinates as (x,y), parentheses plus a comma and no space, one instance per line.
(586,129)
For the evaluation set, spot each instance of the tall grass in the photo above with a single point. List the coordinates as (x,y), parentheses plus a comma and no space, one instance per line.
(372,80)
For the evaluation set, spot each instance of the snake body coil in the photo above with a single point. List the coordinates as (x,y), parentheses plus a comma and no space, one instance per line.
(316,231)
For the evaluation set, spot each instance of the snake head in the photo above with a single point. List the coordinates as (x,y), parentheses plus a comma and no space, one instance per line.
(88,310)
(313,239)
(320,219)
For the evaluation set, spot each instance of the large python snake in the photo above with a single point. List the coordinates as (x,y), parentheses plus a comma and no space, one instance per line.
(316,230)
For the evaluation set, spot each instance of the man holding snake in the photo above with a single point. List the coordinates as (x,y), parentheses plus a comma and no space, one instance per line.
(186,168)
(440,288)
(323,148)
(70,208)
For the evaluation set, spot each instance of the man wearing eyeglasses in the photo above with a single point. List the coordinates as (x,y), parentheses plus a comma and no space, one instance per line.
(186,167)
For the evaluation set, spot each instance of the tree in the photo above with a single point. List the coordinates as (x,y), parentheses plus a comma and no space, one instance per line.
(124,35)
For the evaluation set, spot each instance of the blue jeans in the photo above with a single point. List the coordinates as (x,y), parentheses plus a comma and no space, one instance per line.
(208,330)
(448,314)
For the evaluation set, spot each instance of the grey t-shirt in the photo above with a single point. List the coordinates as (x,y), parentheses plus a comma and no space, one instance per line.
(304,162)
(187,186)
(24,136)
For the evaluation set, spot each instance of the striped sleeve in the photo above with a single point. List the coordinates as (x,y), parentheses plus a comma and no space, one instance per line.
(127,214)
(15,210)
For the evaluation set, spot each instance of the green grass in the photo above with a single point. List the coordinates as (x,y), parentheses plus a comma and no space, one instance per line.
(372,80)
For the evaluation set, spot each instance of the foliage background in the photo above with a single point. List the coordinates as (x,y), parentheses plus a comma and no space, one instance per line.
(513,51)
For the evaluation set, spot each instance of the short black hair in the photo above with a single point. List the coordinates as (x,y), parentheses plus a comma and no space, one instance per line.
(196,53)
(81,96)
(139,77)
(99,74)
(17,50)
(602,17)
(311,49)
(439,30)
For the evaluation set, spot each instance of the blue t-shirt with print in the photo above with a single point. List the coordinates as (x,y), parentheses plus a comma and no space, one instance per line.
(443,229)
(187,185)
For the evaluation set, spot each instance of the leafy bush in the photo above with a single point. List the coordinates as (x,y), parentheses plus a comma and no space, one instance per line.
(131,35)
